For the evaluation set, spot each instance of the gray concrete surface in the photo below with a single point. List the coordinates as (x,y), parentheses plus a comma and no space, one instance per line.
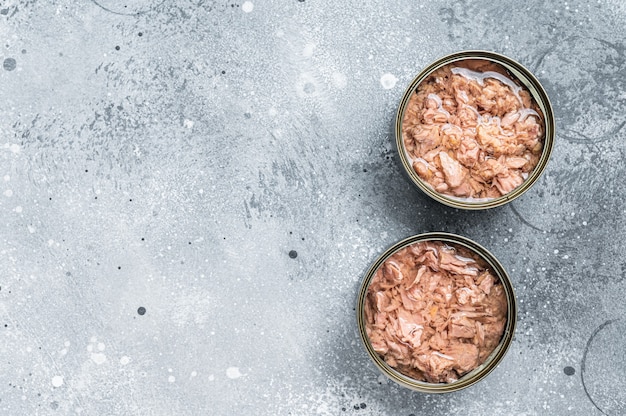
(169,155)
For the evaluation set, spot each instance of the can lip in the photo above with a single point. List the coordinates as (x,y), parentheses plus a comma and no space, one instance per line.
(526,77)
(494,358)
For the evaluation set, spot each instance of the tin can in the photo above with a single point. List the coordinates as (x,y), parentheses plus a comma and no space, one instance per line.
(492,360)
(537,92)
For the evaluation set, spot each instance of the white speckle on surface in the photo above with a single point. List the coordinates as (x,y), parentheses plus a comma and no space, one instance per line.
(101,346)
(15,148)
(98,358)
(188,123)
(194,373)
(388,81)
(308,50)
(57,381)
(8,193)
(556,251)
(339,80)
(31,229)
(7,178)
(63,351)
(233,372)
(247,6)
(89,348)
(18,209)
(211,377)
(171,379)
(124,360)
(67,344)
(93,339)
(585,223)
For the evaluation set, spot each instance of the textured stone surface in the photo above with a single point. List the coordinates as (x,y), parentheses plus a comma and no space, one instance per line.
(191,192)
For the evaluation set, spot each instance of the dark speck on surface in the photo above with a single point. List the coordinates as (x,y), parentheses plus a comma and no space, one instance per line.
(293,254)
(9,64)
(141,310)
(139,34)
(363,405)
(223,72)
(570,371)
(23,51)
(117,48)
(4,11)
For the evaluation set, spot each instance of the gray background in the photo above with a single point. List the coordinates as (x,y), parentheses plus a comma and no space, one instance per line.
(176,173)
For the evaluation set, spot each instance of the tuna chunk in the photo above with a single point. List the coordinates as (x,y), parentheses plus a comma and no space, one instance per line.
(508,181)
(452,170)
(465,355)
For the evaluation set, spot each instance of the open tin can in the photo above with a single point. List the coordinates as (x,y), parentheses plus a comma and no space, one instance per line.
(492,359)
(519,79)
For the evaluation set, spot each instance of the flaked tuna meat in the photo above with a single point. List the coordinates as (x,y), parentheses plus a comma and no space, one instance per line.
(434,311)
(472,131)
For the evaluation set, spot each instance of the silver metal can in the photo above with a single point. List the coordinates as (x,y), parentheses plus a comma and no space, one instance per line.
(527,80)
(492,360)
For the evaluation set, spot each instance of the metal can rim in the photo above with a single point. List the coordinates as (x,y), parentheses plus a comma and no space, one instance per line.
(494,358)
(526,77)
